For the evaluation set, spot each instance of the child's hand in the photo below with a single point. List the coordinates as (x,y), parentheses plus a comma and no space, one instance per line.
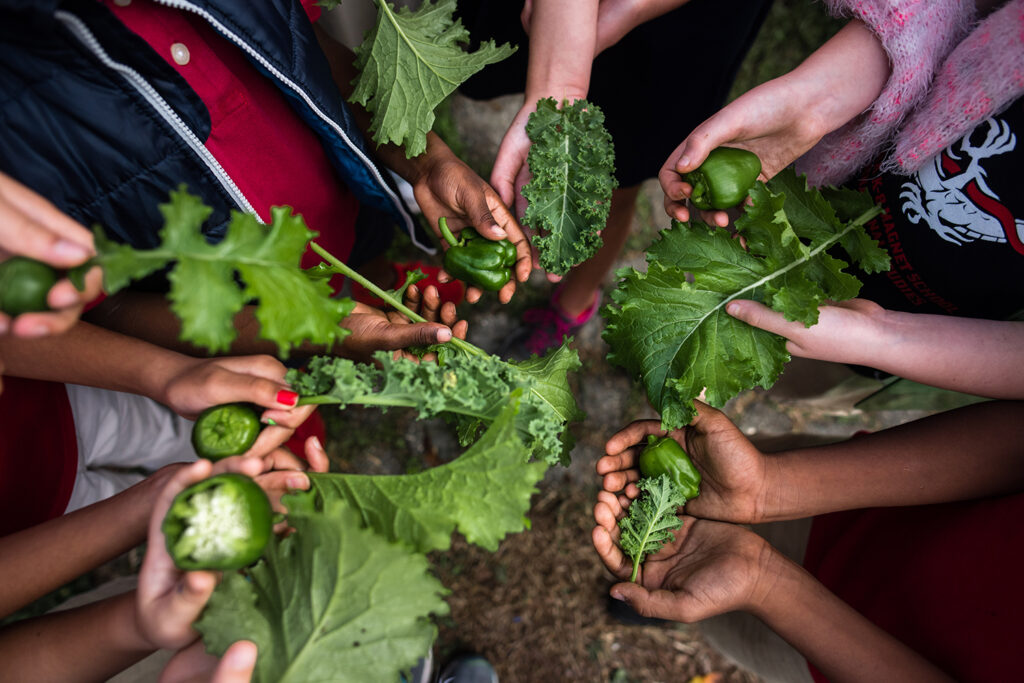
(452,189)
(31,226)
(169,600)
(201,383)
(708,569)
(847,332)
(734,474)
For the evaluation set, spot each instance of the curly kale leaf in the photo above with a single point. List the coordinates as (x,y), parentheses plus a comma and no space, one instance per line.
(651,519)
(205,293)
(484,493)
(408,63)
(470,389)
(572,162)
(669,326)
(332,601)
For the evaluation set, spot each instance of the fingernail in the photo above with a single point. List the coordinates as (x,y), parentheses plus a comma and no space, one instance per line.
(298,481)
(63,298)
(69,251)
(618,596)
(444,335)
(732,308)
(287,398)
(500,232)
(683,163)
(316,443)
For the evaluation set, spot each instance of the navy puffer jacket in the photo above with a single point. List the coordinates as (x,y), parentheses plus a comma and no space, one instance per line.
(94,120)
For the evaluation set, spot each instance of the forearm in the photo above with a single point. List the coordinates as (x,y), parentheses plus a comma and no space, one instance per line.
(93,356)
(981,357)
(969,453)
(837,639)
(563,38)
(840,79)
(43,558)
(89,643)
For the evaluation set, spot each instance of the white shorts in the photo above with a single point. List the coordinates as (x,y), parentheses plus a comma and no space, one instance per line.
(122,438)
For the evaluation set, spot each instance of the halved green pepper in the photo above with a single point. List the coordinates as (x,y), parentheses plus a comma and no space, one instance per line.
(665,456)
(484,263)
(221,523)
(225,430)
(724,179)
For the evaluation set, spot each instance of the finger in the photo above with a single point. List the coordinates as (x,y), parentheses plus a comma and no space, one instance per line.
(430,306)
(35,325)
(237,664)
(34,227)
(607,510)
(473,294)
(448,314)
(184,605)
(460,329)
(506,292)
(632,434)
(189,665)
(677,210)
(619,462)
(316,456)
(416,334)
(515,234)
(181,480)
(225,386)
(289,419)
(259,365)
(610,553)
(618,481)
(659,604)
(413,299)
(66,295)
(759,315)
(282,459)
(717,218)
(279,483)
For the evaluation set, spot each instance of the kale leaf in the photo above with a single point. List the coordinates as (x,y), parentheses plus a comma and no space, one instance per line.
(572,162)
(408,63)
(651,519)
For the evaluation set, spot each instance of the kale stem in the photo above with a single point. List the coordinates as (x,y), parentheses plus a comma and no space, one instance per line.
(636,568)
(345,270)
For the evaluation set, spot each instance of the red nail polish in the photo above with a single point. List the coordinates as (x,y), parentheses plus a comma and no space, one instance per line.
(288,398)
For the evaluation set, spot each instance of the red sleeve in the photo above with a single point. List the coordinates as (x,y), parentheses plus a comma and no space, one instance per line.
(943,579)
(38,453)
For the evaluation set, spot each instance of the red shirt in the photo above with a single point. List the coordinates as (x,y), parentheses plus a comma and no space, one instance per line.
(943,579)
(273,157)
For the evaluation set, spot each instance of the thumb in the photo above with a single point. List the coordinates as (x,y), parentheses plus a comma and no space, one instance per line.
(240,387)
(193,592)
(416,334)
(237,664)
(659,604)
(759,315)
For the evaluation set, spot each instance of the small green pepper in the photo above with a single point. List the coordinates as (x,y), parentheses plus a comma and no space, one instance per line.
(665,456)
(481,262)
(24,285)
(724,178)
(221,523)
(225,430)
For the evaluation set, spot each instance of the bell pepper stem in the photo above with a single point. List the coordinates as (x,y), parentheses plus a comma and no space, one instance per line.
(447,233)
(349,272)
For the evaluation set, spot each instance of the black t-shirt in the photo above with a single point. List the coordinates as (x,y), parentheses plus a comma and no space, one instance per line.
(955,229)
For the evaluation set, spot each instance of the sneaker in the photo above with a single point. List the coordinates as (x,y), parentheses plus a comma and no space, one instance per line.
(423,672)
(468,669)
(545,328)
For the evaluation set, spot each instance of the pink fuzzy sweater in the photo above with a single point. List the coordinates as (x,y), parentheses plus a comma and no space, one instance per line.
(948,74)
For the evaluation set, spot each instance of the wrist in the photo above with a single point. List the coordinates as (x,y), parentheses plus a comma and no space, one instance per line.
(776,583)
(158,376)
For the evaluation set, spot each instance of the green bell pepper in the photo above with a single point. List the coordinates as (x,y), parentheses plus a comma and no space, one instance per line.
(221,523)
(24,284)
(724,179)
(225,430)
(665,456)
(477,261)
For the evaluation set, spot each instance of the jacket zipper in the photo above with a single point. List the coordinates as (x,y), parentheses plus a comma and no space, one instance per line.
(294,87)
(136,80)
